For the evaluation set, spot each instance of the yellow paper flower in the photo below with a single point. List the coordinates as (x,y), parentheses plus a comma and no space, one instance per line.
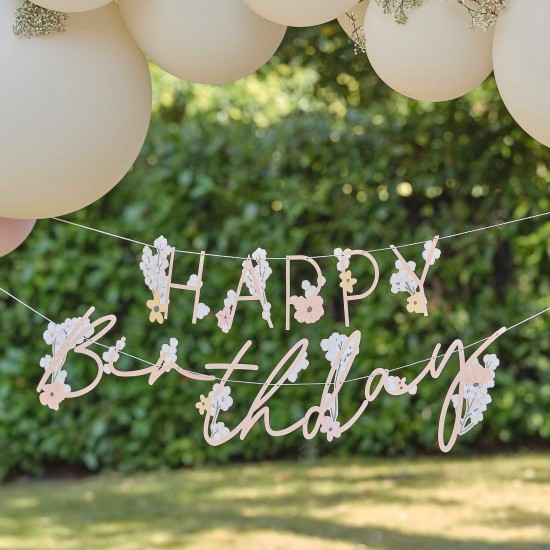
(157,309)
(204,404)
(347,281)
(416,303)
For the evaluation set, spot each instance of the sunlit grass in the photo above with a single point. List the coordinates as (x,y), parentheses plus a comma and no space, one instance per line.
(419,504)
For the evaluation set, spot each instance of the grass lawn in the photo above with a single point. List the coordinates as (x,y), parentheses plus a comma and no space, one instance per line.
(490,503)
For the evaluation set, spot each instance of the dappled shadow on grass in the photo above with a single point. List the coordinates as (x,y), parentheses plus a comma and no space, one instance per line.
(318,501)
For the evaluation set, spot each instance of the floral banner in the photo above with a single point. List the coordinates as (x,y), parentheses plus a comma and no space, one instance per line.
(463,406)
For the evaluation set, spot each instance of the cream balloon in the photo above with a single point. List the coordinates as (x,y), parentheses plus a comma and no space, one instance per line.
(13,233)
(346,23)
(522,65)
(74,111)
(69,6)
(435,56)
(300,13)
(210,42)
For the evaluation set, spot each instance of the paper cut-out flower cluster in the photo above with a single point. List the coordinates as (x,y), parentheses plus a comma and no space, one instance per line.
(219,399)
(262,271)
(333,347)
(112,355)
(55,336)
(154,267)
(309,307)
(477,380)
(404,281)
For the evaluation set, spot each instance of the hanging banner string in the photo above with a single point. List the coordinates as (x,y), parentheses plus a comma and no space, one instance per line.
(476,230)
(359,378)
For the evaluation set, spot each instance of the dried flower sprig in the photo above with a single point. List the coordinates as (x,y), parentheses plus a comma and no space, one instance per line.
(484,13)
(357,37)
(32,20)
(399,8)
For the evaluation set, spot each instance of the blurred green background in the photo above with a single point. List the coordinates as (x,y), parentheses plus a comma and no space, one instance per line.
(310,153)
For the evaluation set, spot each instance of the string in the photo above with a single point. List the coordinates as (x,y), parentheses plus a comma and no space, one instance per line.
(476,230)
(542,312)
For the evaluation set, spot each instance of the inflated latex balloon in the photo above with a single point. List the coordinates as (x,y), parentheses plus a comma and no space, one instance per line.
(300,13)
(74,111)
(522,65)
(434,56)
(13,233)
(69,6)
(210,42)
(346,23)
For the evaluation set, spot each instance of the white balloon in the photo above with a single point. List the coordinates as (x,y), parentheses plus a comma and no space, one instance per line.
(69,6)
(435,56)
(359,11)
(522,65)
(74,111)
(210,42)
(300,13)
(13,233)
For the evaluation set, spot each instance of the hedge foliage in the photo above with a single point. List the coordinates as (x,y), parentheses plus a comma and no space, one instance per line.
(311,153)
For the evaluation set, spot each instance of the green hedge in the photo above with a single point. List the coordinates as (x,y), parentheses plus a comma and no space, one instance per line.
(311,153)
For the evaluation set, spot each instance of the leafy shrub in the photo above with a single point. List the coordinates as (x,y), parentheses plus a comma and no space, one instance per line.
(311,153)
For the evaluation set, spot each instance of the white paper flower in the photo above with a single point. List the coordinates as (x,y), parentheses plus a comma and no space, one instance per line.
(333,345)
(395,384)
(476,417)
(193,281)
(259,255)
(262,272)
(491,361)
(308,288)
(343,258)
(403,281)
(392,383)
(219,431)
(202,311)
(436,253)
(297,368)
(45,361)
(111,353)
(231,299)
(154,266)
(170,351)
(266,311)
(221,401)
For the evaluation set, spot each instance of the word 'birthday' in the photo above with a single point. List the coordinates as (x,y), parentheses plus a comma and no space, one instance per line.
(158,267)
(468,393)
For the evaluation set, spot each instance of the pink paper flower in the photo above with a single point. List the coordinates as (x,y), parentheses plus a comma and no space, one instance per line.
(52,395)
(308,310)
(224,318)
(476,375)
(331,428)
